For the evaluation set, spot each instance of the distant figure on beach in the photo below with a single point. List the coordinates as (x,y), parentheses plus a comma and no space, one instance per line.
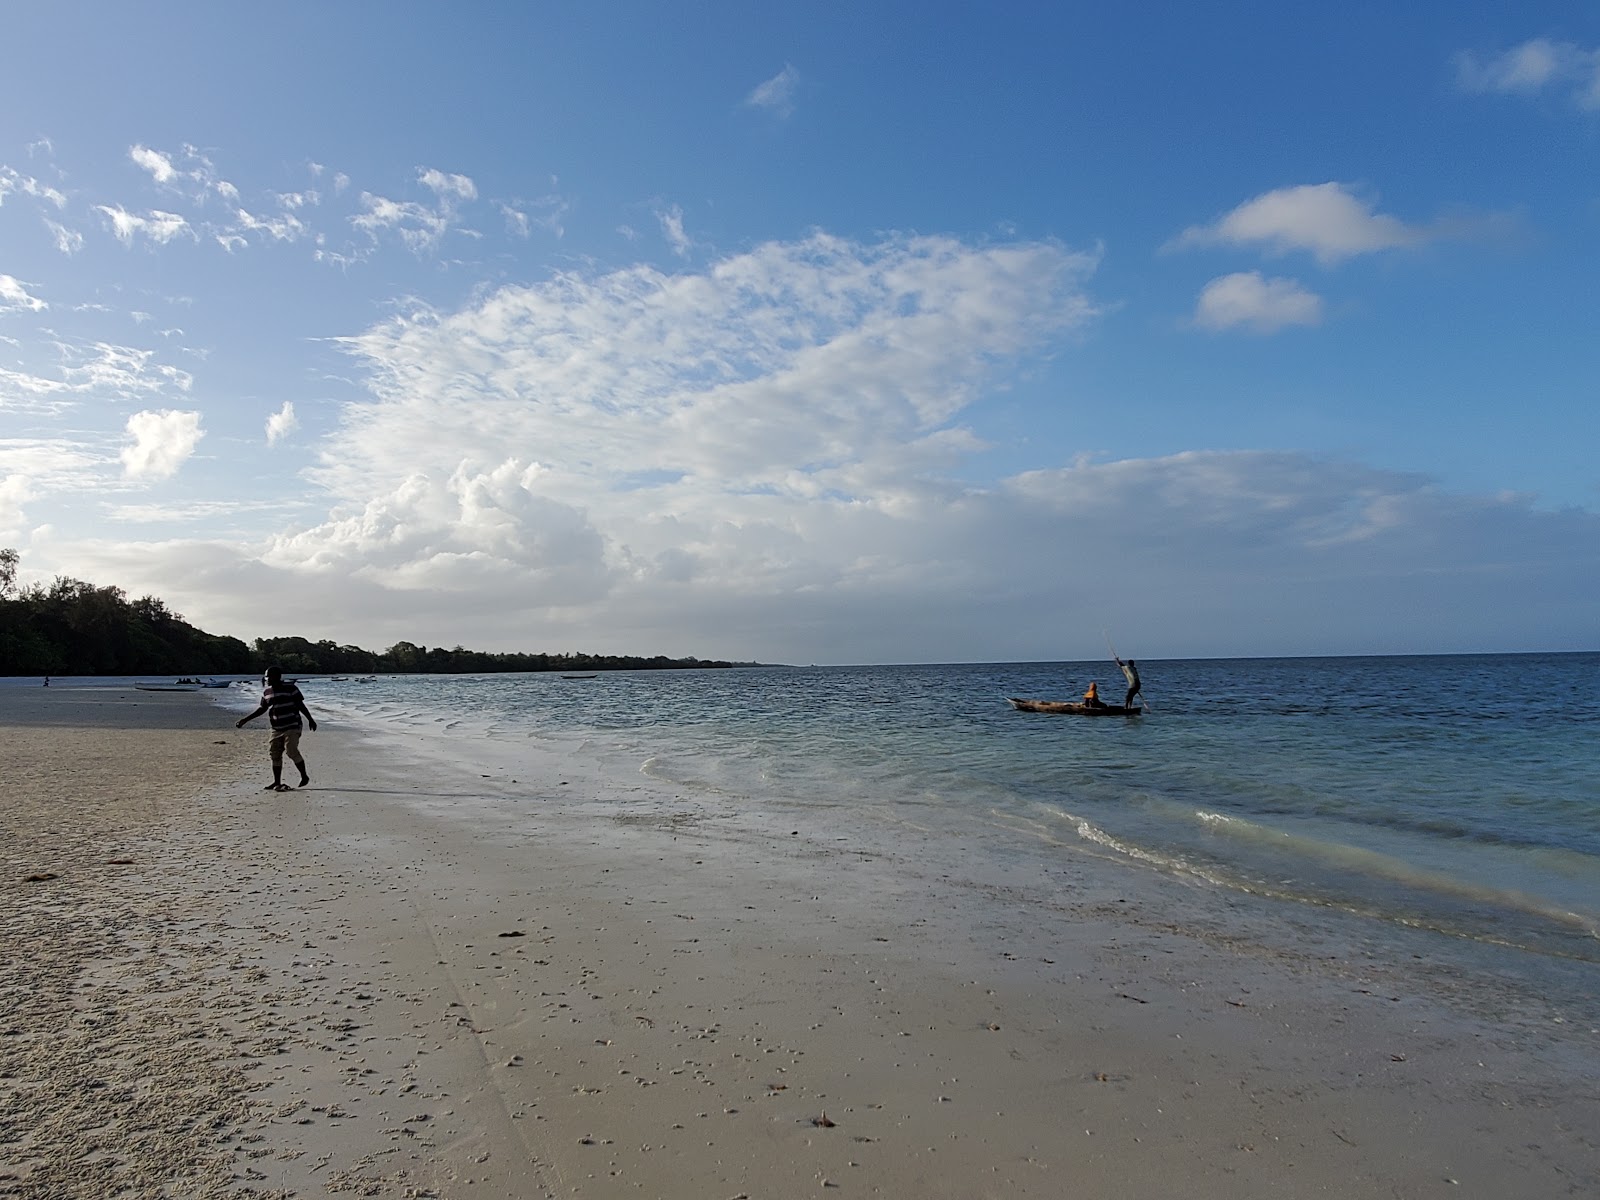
(47,681)
(1092,696)
(1130,672)
(284,703)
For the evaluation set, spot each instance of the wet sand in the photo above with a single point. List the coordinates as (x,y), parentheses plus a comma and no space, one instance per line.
(350,989)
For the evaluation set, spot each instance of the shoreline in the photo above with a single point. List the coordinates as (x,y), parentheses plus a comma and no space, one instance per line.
(537,1001)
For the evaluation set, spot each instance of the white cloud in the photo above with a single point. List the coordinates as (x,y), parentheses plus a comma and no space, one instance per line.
(671,220)
(158,164)
(50,465)
(547,213)
(12,181)
(595,433)
(1536,64)
(452,187)
(286,227)
(106,369)
(161,443)
(419,227)
(487,559)
(778,93)
(281,423)
(189,173)
(15,491)
(68,241)
(517,222)
(14,296)
(1248,300)
(159,227)
(1325,219)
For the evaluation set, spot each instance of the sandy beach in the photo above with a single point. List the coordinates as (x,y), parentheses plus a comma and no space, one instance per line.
(212,990)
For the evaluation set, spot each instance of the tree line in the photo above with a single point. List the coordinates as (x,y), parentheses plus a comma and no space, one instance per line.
(69,627)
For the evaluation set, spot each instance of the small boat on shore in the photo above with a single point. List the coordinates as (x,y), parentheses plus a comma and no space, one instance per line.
(1074,708)
(578,677)
(183,685)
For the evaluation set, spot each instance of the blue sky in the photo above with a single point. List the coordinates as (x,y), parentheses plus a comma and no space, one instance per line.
(841,333)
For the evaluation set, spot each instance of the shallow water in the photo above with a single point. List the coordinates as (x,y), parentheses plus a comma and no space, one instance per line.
(1458,795)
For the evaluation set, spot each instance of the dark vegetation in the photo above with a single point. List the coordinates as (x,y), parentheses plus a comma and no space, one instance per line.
(76,628)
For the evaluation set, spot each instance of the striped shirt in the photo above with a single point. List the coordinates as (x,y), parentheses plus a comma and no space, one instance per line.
(283,703)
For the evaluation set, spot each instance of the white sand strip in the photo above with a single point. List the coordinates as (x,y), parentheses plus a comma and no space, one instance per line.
(456,986)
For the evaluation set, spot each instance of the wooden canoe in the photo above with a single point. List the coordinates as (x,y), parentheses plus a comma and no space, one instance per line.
(1074,708)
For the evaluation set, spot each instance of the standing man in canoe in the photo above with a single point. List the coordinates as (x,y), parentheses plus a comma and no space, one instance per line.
(284,703)
(1130,672)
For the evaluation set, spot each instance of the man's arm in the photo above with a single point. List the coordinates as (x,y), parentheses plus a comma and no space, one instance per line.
(243,721)
(310,720)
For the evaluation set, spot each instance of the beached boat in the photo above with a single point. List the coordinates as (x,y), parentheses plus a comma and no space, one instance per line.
(577,677)
(168,687)
(217,683)
(1074,708)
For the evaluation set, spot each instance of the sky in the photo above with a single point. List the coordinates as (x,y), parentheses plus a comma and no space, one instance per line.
(815,333)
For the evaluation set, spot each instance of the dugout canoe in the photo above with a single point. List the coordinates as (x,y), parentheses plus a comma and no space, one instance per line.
(1074,708)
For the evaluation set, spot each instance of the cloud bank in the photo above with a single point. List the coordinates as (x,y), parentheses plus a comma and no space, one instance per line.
(770,458)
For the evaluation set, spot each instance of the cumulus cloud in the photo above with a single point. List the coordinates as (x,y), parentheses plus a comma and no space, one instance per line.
(1534,66)
(1248,300)
(558,443)
(481,559)
(777,94)
(281,423)
(1326,219)
(160,443)
(15,491)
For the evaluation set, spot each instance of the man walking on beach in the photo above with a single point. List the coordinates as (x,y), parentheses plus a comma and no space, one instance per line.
(284,703)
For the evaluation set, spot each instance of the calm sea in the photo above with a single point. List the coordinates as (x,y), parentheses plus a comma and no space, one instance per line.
(1458,795)
(1456,798)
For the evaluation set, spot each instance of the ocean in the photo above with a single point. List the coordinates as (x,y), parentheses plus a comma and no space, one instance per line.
(1458,795)
(1440,807)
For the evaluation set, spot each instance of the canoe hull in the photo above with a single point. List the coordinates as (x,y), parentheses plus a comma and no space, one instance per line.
(1071,708)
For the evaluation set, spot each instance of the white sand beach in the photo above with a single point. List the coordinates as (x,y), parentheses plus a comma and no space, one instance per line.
(419,979)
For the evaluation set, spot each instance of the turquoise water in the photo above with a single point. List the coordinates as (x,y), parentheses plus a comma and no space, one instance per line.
(1457,796)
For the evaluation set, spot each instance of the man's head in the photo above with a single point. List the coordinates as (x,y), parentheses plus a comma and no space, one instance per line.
(274,675)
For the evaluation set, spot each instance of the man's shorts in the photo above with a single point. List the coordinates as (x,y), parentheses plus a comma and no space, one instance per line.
(286,741)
